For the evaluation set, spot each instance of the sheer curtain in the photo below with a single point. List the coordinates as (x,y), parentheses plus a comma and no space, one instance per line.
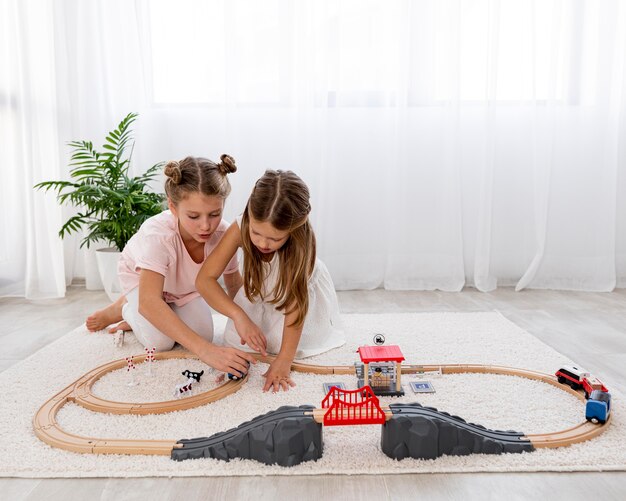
(101,78)
(446,143)
(68,70)
(31,256)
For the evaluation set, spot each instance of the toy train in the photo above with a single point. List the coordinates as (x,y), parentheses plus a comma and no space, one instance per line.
(579,378)
(237,376)
(598,407)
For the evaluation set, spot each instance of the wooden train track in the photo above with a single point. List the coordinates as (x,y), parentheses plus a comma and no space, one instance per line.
(48,430)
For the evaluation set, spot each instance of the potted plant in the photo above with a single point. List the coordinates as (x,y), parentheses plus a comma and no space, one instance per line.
(111,204)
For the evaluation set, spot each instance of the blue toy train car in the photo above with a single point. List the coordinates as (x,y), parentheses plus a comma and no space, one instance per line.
(237,376)
(598,408)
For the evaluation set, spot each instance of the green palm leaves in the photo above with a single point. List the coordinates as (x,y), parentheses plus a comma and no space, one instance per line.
(111,205)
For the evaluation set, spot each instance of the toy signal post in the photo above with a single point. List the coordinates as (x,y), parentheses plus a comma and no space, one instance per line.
(381,369)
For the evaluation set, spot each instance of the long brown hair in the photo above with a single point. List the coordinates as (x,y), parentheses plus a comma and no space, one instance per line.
(281,198)
(198,175)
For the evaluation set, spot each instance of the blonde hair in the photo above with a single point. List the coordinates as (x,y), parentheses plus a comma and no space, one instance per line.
(281,198)
(198,175)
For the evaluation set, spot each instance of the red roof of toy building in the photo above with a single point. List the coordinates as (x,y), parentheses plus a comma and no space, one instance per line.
(390,353)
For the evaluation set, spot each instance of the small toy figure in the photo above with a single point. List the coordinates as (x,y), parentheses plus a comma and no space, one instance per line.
(130,367)
(183,388)
(192,377)
(150,359)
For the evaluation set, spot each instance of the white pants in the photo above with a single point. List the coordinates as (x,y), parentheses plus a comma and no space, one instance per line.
(196,314)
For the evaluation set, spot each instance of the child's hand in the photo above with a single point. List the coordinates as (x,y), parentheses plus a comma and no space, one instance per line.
(226,359)
(250,334)
(278,376)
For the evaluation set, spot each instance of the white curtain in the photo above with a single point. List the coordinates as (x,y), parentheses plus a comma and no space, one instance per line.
(31,255)
(68,70)
(446,143)
(101,78)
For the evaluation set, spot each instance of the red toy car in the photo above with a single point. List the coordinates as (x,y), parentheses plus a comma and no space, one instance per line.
(579,378)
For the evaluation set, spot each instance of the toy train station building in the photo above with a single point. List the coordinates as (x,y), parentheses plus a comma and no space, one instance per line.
(381,369)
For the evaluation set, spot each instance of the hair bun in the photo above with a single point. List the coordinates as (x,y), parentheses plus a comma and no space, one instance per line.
(227,164)
(172,170)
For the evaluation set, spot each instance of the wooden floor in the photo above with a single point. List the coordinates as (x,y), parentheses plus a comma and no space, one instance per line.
(590,328)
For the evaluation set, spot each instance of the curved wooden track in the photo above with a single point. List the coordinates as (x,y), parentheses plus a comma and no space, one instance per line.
(48,430)
(83,396)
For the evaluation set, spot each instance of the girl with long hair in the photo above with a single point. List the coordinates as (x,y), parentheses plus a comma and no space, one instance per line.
(287,305)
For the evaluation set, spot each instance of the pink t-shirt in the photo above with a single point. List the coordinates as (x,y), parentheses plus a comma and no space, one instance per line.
(158,247)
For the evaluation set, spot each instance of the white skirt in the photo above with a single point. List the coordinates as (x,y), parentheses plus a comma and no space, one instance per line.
(321,331)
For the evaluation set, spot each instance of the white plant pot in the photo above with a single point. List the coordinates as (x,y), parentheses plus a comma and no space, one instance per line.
(107,265)
(92,272)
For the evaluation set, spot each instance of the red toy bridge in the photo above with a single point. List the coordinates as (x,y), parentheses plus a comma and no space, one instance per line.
(346,407)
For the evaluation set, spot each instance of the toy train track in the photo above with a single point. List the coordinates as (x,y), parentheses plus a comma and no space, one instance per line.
(84,397)
(79,392)
(48,430)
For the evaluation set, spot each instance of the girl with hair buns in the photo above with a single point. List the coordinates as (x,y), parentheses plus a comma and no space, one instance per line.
(158,267)
(287,305)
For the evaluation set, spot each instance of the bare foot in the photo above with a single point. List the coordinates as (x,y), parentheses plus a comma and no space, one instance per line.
(122,326)
(105,317)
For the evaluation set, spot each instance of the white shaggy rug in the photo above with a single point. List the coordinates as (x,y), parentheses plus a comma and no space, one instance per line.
(500,402)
